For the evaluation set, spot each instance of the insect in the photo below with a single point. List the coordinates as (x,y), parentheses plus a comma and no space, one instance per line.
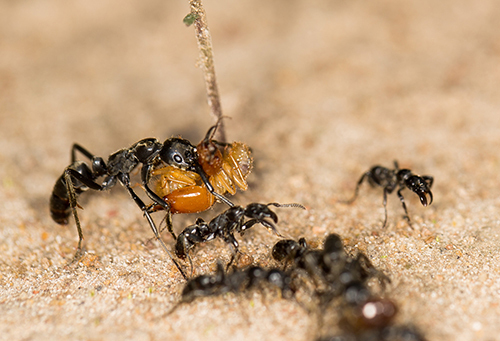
(373,319)
(226,166)
(226,224)
(332,270)
(79,177)
(363,315)
(235,281)
(390,179)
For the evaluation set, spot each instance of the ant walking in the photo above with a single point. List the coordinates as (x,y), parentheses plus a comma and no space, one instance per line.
(390,179)
(225,225)
(235,281)
(79,177)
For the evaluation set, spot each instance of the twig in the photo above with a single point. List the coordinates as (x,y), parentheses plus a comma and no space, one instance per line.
(198,18)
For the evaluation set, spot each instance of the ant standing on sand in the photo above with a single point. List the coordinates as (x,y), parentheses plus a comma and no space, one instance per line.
(236,281)
(225,225)
(79,177)
(390,179)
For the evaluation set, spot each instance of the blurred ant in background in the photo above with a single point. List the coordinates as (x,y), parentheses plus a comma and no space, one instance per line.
(363,315)
(390,179)
(332,270)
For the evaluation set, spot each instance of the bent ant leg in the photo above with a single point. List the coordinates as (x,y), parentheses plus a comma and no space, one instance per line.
(356,191)
(169,225)
(70,174)
(234,248)
(402,199)
(386,190)
(372,271)
(145,210)
(73,203)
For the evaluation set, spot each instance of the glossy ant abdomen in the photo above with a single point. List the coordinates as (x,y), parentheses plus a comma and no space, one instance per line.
(390,179)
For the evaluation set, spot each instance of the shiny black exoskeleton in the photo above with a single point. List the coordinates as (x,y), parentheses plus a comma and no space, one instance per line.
(235,281)
(226,224)
(390,179)
(79,177)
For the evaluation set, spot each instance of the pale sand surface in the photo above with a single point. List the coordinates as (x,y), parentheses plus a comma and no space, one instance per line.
(320,90)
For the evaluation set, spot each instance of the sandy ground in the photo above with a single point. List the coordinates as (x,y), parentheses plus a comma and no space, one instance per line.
(321,90)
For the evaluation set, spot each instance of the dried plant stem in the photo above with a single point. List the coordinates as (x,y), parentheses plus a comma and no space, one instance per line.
(198,18)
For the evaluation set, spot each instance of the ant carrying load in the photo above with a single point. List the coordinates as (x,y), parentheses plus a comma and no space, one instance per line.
(226,166)
(151,153)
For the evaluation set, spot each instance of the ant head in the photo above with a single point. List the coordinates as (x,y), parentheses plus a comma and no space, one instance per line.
(333,243)
(180,153)
(418,185)
(260,212)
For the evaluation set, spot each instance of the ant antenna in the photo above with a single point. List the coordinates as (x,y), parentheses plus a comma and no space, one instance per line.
(286,205)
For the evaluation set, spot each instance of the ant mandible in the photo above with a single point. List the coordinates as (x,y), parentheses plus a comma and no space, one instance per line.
(225,225)
(389,179)
(79,177)
(226,166)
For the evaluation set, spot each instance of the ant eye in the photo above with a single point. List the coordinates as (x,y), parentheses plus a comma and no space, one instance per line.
(177,158)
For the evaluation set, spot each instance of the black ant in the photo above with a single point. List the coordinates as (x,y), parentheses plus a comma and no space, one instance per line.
(363,316)
(333,271)
(389,179)
(226,224)
(226,166)
(235,281)
(79,177)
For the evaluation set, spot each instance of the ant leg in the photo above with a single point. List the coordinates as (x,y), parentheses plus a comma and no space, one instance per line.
(235,257)
(385,205)
(70,174)
(170,224)
(360,181)
(144,208)
(407,217)
(371,271)
(191,264)
(229,238)
(77,147)
(74,204)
